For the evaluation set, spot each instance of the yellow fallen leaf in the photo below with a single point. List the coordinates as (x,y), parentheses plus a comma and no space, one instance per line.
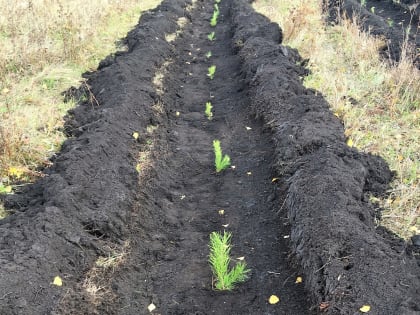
(365,308)
(275,179)
(177,113)
(57,281)
(274,299)
(298,280)
(16,171)
(400,158)
(151,307)
(221,212)
(337,115)
(135,135)
(249,173)
(138,168)
(350,142)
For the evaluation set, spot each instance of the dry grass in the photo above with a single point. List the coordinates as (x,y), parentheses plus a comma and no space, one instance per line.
(378,102)
(97,281)
(45,45)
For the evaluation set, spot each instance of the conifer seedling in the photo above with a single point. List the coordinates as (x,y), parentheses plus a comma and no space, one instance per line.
(212,36)
(211,72)
(225,277)
(208,111)
(221,162)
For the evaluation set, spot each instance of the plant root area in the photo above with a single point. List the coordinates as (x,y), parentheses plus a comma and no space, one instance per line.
(120,223)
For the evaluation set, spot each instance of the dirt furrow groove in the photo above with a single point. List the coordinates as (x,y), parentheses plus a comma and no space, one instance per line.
(187,194)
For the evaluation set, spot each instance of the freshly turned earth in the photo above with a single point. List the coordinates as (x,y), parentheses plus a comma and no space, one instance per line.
(296,201)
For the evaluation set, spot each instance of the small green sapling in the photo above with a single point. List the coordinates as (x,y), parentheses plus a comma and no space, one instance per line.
(221,162)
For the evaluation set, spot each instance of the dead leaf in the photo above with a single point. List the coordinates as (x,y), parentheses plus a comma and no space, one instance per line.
(248,128)
(350,142)
(151,307)
(274,299)
(135,135)
(249,173)
(241,258)
(298,280)
(57,281)
(324,306)
(365,308)
(177,113)
(221,212)
(275,179)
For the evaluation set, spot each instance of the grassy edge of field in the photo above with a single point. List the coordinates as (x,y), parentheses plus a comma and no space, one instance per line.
(378,101)
(31,100)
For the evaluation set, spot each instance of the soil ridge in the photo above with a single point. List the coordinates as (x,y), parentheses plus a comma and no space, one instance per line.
(346,260)
(62,223)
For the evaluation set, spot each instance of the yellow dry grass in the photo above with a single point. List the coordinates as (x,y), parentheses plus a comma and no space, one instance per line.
(45,45)
(378,102)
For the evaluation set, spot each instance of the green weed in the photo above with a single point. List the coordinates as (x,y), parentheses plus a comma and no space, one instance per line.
(221,162)
(211,72)
(208,111)
(208,54)
(220,246)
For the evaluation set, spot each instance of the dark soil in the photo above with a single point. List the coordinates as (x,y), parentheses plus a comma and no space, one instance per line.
(397,23)
(313,221)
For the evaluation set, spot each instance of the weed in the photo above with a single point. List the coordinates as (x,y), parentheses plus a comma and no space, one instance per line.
(221,162)
(363,3)
(390,22)
(212,36)
(208,111)
(220,246)
(211,72)
(208,54)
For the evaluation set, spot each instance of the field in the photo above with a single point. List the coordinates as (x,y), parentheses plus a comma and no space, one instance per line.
(213,118)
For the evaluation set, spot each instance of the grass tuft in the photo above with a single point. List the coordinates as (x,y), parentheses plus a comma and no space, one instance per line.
(220,246)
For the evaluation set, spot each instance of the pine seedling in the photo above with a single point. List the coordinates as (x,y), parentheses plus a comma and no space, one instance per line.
(216,12)
(225,279)
(211,72)
(208,54)
(208,111)
(221,162)
(213,21)
(212,36)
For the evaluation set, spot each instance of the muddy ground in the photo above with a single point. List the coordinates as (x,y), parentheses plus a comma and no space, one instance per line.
(314,220)
(396,22)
